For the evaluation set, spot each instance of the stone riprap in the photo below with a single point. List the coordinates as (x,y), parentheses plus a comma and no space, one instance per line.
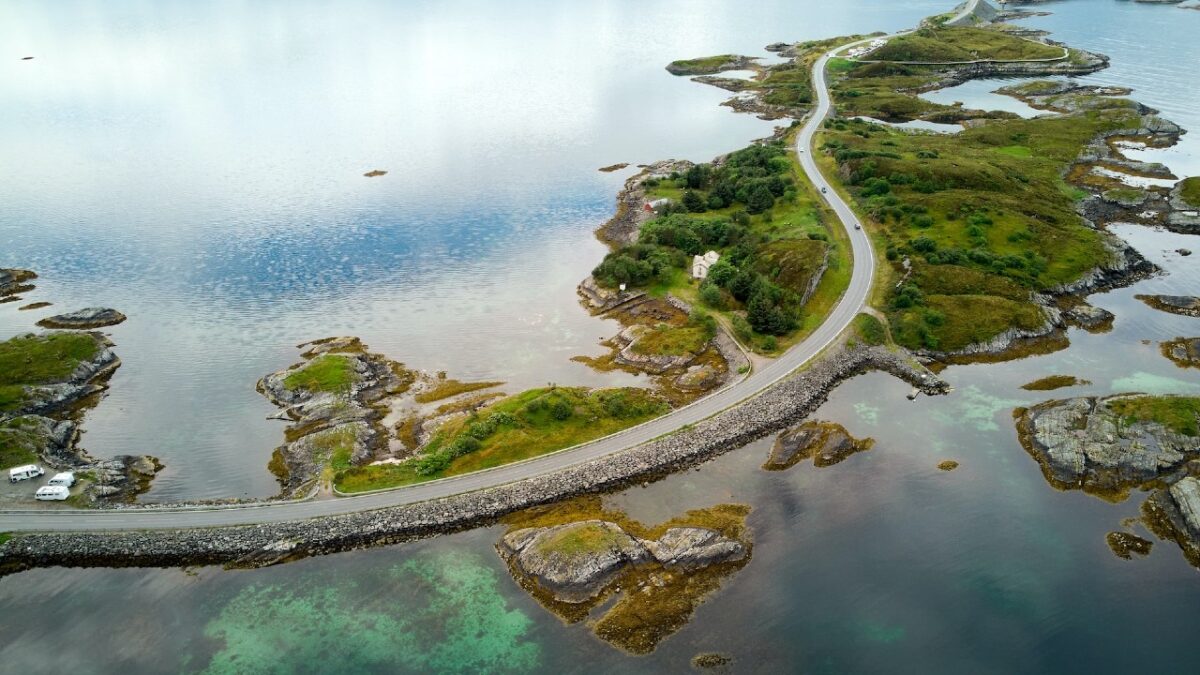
(780,405)
(84,319)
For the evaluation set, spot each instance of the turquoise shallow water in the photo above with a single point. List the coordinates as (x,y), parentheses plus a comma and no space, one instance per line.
(879,564)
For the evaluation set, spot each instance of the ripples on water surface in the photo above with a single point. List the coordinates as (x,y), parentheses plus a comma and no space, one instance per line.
(878,564)
(199,167)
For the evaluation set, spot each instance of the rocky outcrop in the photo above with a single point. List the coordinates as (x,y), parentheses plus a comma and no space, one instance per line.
(1090,318)
(825,442)
(12,281)
(1174,515)
(712,65)
(782,404)
(628,354)
(576,561)
(40,424)
(573,561)
(1083,443)
(623,227)
(1184,305)
(84,319)
(330,421)
(86,379)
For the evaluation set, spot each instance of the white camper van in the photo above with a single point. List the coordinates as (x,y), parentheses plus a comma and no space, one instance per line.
(52,493)
(65,479)
(25,472)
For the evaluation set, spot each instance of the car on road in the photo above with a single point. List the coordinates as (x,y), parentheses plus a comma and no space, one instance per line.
(824,190)
(52,493)
(857,226)
(25,472)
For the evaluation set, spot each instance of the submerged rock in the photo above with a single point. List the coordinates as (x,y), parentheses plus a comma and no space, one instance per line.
(1184,352)
(1125,545)
(947,465)
(827,443)
(1098,445)
(1185,305)
(83,319)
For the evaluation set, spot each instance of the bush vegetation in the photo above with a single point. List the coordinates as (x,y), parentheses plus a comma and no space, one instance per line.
(518,427)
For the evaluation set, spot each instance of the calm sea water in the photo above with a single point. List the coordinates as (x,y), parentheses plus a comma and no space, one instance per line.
(879,564)
(199,167)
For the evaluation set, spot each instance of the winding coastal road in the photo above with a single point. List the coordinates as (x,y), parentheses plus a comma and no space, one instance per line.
(851,303)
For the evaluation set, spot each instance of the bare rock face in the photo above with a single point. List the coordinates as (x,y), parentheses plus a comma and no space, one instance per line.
(83,319)
(698,378)
(576,561)
(694,547)
(826,443)
(1082,443)
(1174,514)
(573,561)
(1092,319)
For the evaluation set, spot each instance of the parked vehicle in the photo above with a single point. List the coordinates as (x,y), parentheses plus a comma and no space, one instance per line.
(25,472)
(52,493)
(65,479)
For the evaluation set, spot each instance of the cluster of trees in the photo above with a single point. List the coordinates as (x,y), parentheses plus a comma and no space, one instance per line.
(467,442)
(638,265)
(770,309)
(754,176)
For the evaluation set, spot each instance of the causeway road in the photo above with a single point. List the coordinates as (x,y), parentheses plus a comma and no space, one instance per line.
(850,304)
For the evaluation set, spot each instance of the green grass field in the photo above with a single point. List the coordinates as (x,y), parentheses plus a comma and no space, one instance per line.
(1177,413)
(329,373)
(1190,192)
(952,44)
(42,359)
(518,427)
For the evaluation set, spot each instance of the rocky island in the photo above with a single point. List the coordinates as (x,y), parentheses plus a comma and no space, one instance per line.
(825,443)
(84,319)
(577,556)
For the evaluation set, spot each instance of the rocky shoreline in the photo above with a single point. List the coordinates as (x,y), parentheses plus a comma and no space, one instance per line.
(45,424)
(249,546)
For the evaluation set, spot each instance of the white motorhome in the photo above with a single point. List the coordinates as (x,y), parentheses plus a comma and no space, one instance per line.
(52,493)
(25,472)
(65,479)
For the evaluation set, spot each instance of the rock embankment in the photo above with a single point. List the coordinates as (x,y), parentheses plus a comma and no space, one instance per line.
(1084,443)
(779,406)
(84,319)
(576,561)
